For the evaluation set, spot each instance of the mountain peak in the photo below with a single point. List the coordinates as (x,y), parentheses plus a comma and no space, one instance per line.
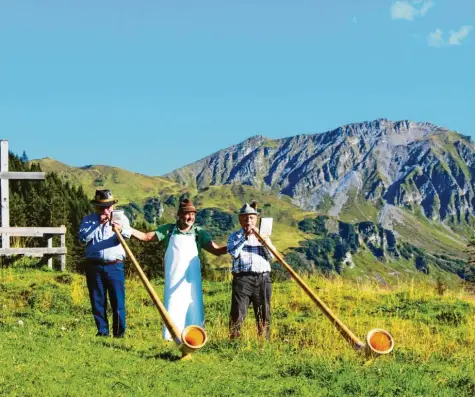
(256,139)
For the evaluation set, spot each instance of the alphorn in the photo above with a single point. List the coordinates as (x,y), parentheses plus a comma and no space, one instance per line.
(193,337)
(379,341)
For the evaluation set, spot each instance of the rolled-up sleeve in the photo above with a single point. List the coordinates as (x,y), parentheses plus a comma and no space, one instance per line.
(267,253)
(88,227)
(236,243)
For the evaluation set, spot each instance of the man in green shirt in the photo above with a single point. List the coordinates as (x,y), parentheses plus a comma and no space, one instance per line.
(183,241)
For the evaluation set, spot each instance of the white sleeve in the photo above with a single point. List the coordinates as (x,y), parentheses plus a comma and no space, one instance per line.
(126,230)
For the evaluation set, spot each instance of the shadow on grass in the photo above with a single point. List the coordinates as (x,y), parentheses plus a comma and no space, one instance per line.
(150,354)
(165,355)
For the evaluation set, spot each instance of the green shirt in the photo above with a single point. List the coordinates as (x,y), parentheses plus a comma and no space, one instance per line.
(202,237)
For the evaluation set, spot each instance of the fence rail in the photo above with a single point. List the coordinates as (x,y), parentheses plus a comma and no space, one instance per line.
(32,231)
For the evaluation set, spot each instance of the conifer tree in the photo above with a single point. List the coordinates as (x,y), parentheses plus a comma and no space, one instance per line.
(24,157)
(469,270)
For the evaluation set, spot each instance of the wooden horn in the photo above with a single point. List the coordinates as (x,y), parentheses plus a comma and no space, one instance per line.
(379,340)
(342,328)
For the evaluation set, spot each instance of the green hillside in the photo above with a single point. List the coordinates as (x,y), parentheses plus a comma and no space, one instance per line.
(218,206)
(48,346)
(125,185)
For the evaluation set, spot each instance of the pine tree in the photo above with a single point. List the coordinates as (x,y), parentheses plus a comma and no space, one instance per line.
(24,157)
(469,269)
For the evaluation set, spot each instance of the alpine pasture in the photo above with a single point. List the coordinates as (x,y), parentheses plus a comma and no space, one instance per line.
(48,347)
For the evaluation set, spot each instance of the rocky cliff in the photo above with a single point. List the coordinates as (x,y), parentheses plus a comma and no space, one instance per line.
(417,166)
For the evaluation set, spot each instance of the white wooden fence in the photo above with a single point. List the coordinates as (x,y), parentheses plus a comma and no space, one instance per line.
(6,231)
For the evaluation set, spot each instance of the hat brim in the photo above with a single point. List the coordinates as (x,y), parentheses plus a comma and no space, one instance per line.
(185,210)
(104,204)
(248,213)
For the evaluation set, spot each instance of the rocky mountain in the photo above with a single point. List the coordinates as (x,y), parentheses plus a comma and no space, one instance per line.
(405,164)
(377,199)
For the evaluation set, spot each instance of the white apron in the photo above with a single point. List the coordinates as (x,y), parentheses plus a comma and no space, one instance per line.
(183,293)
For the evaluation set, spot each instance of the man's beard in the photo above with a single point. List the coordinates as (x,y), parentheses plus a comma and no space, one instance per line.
(186,224)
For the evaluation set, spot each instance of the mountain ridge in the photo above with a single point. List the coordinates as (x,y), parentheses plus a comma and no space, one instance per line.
(307,167)
(404,190)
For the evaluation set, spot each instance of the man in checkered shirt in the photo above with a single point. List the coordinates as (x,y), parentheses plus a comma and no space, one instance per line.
(251,274)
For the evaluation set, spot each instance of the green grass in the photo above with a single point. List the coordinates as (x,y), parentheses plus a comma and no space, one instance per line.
(431,236)
(54,352)
(357,209)
(393,271)
(446,145)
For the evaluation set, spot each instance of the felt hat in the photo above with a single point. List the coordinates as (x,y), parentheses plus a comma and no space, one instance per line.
(248,209)
(186,205)
(103,198)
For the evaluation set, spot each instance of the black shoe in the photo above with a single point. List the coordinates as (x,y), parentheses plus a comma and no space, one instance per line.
(101,334)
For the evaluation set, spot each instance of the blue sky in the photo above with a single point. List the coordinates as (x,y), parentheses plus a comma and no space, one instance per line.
(151,86)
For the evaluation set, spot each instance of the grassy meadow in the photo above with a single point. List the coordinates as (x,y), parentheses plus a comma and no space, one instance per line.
(48,347)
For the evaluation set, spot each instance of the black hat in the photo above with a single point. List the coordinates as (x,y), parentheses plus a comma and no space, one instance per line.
(103,198)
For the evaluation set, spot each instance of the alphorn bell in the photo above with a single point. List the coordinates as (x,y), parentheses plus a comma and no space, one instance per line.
(193,337)
(378,341)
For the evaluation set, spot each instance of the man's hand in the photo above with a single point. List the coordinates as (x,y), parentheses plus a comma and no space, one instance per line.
(248,230)
(116,227)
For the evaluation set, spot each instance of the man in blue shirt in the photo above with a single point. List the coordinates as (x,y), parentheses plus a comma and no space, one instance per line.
(104,264)
(251,274)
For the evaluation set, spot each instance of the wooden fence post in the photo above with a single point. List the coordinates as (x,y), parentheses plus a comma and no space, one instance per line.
(4,193)
(50,259)
(63,245)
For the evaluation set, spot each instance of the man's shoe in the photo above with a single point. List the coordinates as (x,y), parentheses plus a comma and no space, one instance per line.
(101,334)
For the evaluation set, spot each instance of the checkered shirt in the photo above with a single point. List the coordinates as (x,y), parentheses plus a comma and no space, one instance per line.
(248,254)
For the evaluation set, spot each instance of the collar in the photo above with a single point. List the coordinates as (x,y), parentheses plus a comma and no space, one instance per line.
(191,231)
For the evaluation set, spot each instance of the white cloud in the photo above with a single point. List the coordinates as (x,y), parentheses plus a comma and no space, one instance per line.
(435,39)
(408,10)
(456,37)
(403,10)
(425,7)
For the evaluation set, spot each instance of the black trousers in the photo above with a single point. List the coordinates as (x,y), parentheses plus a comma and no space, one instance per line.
(250,287)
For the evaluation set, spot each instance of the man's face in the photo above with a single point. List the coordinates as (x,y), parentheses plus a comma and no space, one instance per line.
(248,221)
(186,219)
(104,213)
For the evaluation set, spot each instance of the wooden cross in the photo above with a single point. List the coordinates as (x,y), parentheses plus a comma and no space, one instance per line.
(6,231)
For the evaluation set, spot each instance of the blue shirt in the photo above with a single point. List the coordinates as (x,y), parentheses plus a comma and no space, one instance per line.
(102,242)
(248,254)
